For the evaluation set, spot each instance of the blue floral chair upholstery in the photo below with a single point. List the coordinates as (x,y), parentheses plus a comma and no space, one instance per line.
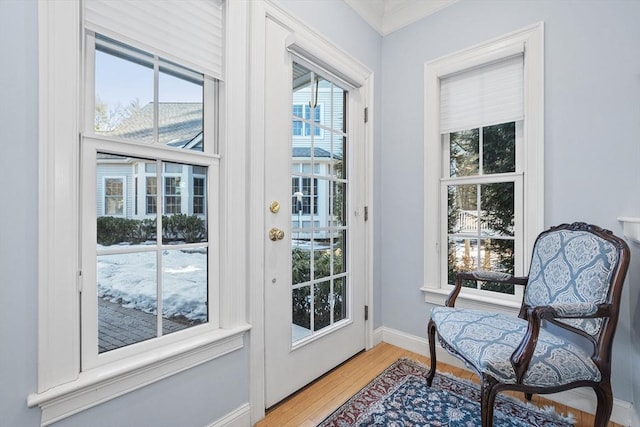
(575,282)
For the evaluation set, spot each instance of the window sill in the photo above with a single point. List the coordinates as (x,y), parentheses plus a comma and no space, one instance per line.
(437,296)
(109,381)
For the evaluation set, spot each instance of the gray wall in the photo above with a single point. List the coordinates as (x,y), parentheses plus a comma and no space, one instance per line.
(592,115)
(193,398)
(19,213)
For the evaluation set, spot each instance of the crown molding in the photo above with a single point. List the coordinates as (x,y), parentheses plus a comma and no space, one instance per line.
(387,16)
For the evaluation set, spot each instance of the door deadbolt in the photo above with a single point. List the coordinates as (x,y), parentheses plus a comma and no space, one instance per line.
(274,207)
(276,234)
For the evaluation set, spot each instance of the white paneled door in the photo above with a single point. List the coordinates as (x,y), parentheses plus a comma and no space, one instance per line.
(315,248)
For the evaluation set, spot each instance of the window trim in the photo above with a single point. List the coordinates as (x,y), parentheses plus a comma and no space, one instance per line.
(528,41)
(62,389)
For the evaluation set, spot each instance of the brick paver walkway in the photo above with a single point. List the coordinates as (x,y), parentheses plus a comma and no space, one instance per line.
(119,326)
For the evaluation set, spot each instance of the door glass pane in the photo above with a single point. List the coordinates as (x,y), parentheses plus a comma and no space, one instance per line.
(321,256)
(301,311)
(338,154)
(319,186)
(337,204)
(301,263)
(339,299)
(337,108)
(339,264)
(322,298)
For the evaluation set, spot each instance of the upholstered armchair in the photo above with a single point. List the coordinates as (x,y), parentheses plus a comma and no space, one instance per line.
(574,282)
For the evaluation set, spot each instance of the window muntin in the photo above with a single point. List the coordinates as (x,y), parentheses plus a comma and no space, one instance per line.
(318,188)
(481,197)
(148,285)
(152,268)
(63,346)
(529,188)
(304,119)
(144,98)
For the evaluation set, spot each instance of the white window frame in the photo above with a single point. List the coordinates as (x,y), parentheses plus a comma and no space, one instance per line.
(307,122)
(124,194)
(529,42)
(514,177)
(166,178)
(146,194)
(195,196)
(63,389)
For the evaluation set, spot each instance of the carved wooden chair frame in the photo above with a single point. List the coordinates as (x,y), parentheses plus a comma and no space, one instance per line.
(533,315)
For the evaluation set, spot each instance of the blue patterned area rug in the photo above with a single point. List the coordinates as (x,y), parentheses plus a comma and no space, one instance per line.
(400,397)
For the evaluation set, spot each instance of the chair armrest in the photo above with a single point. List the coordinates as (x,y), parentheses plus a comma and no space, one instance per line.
(489,276)
(522,355)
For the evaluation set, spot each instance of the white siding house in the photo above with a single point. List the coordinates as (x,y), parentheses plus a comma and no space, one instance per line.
(131,184)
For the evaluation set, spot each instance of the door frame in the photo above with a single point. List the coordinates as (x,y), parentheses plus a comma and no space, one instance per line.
(258,209)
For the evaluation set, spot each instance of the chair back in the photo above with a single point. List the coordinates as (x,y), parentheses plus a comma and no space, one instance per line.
(578,264)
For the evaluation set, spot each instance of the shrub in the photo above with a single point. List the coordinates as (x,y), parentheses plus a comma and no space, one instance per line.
(301,298)
(179,227)
(112,230)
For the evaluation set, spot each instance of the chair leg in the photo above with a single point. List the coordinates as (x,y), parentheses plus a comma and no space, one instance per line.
(488,399)
(605,404)
(431,334)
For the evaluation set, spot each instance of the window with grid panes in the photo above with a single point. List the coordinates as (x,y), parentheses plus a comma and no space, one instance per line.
(483,165)
(149,275)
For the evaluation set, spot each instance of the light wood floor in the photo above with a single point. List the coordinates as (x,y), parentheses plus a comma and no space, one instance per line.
(315,402)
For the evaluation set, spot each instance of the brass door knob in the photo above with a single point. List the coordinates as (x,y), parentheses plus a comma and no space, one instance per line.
(276,234)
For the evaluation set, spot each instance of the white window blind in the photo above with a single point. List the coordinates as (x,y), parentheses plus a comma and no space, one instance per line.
(189,32)
(483,96)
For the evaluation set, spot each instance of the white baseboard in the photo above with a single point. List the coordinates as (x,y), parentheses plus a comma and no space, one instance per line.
(583,399)
(239,417)
(635,418)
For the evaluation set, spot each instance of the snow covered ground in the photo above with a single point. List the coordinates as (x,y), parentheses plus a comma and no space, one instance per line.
(131,280)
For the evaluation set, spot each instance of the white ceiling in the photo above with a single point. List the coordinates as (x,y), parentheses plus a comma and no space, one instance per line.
(387,16)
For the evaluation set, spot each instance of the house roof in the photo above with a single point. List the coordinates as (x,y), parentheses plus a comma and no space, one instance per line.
(317,153)
(180,124)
